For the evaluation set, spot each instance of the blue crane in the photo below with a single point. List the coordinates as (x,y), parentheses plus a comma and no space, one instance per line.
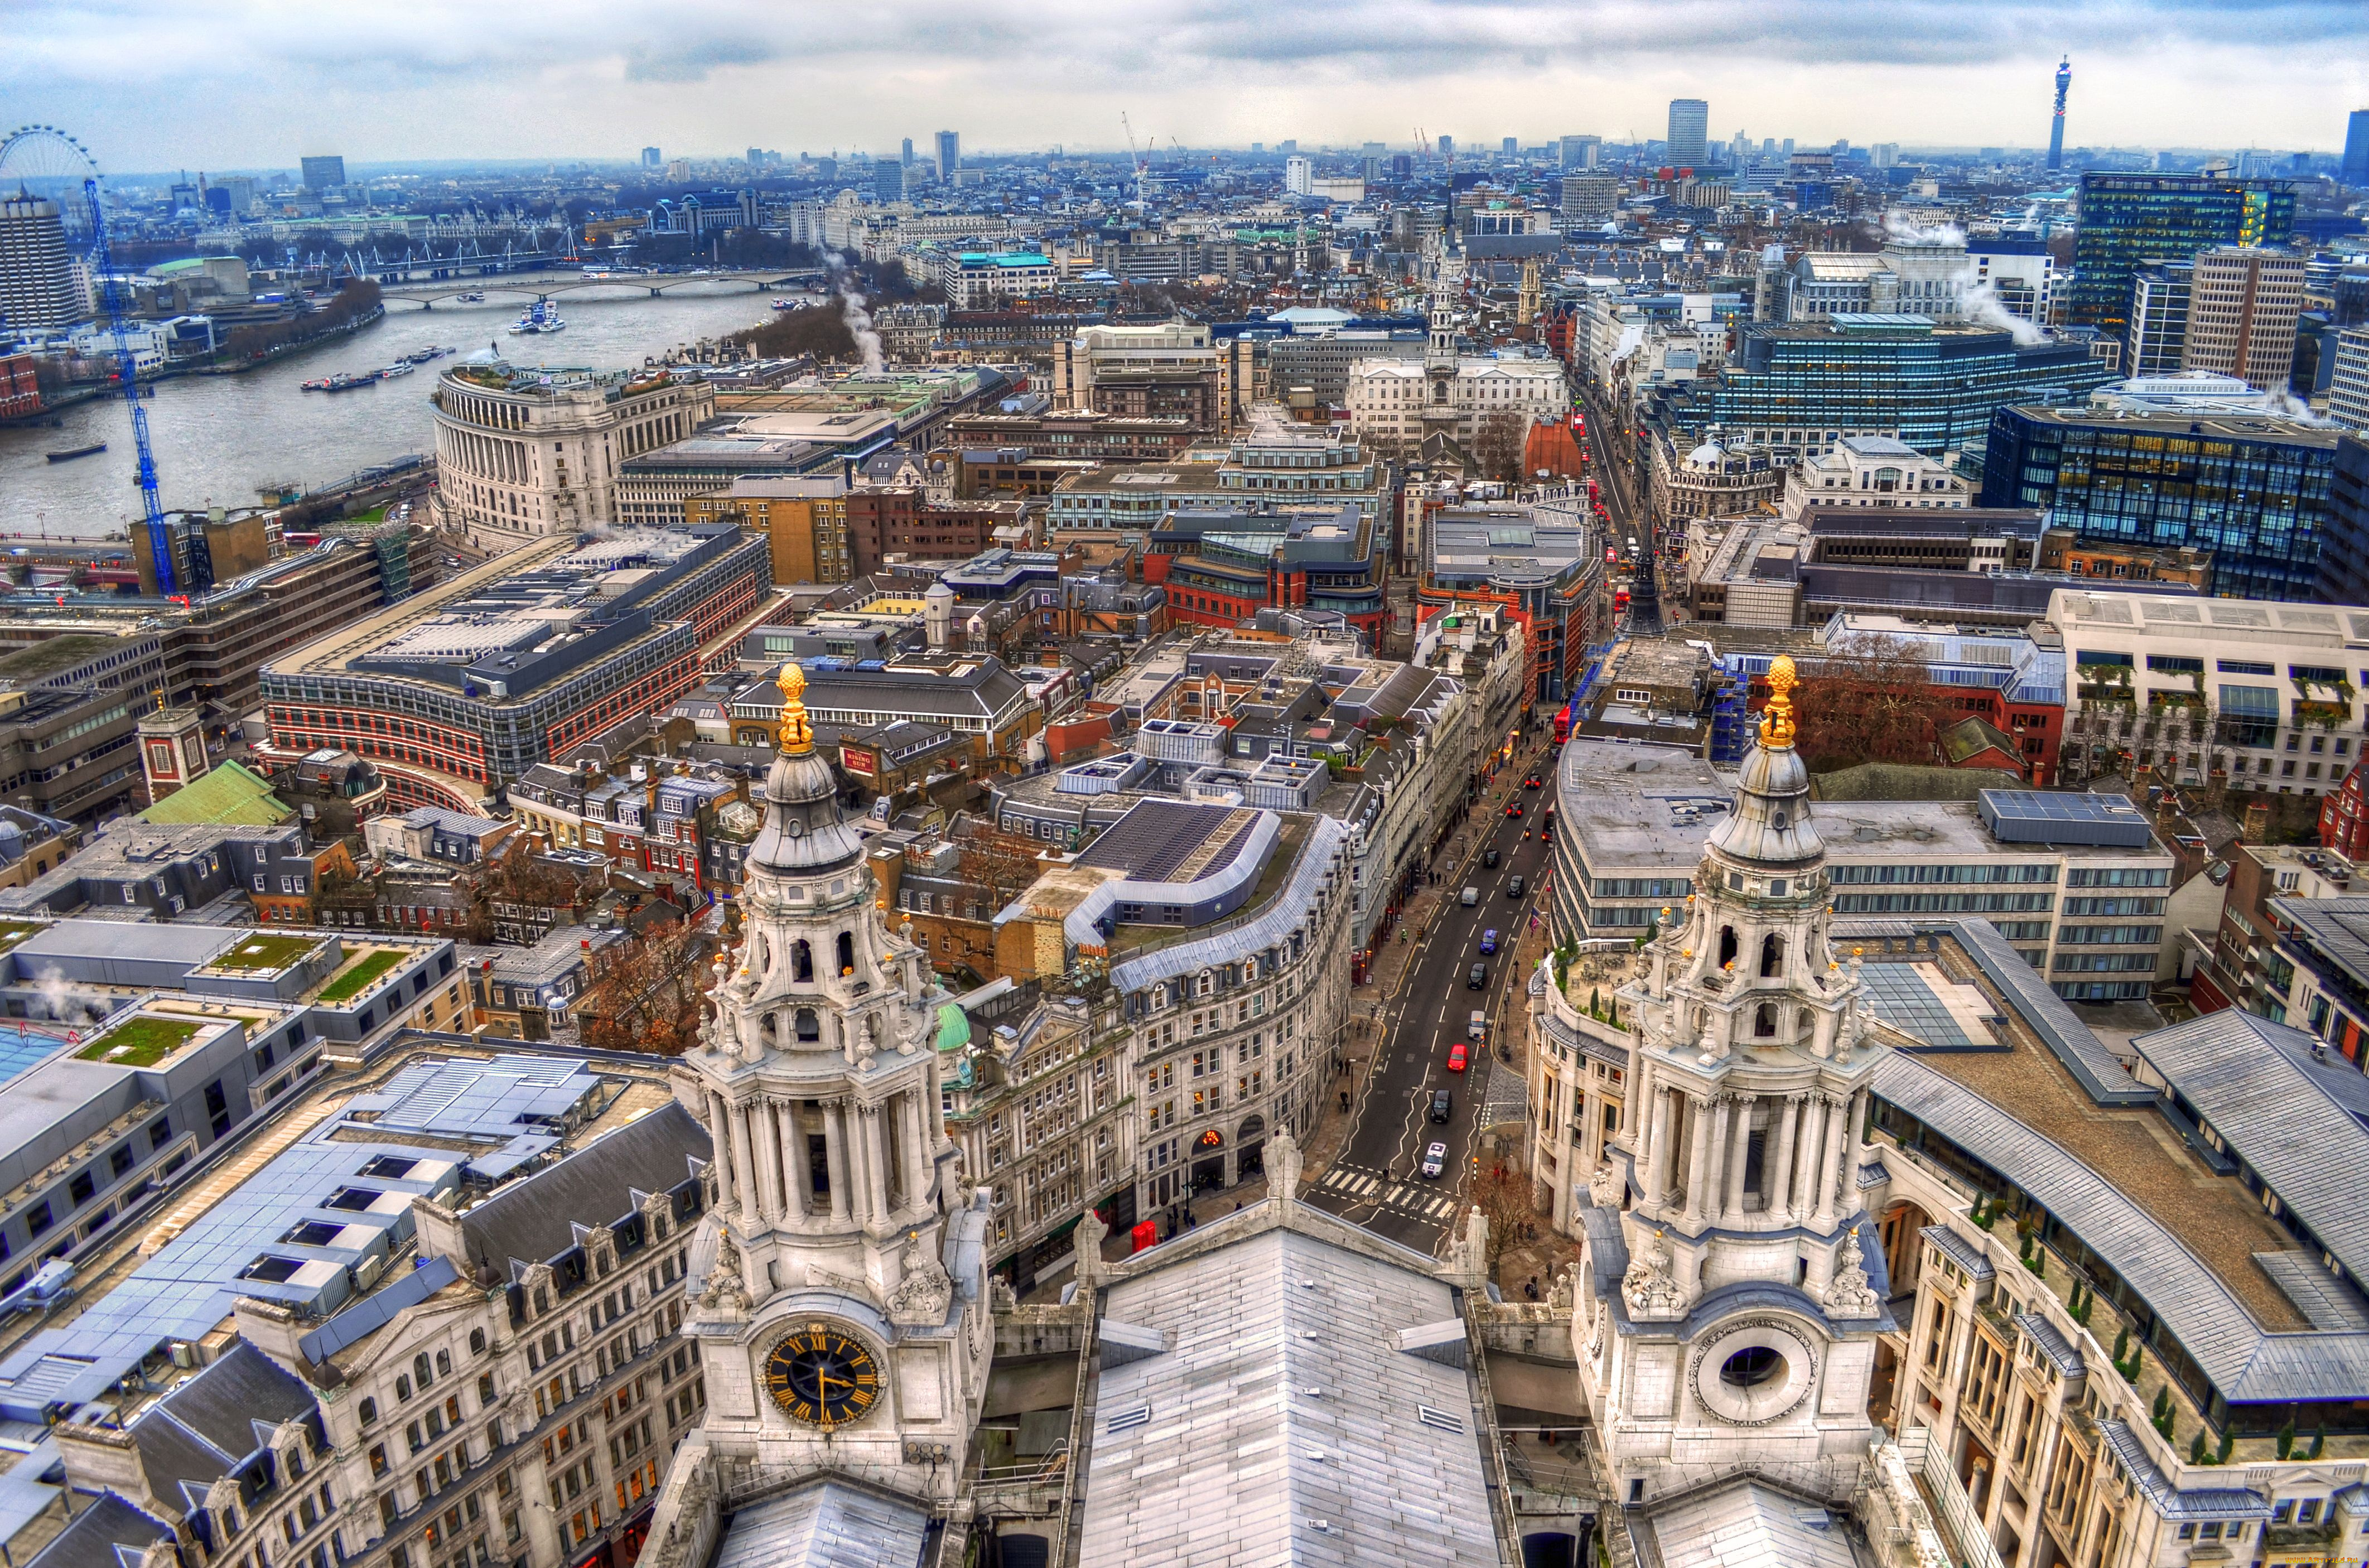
(126,373)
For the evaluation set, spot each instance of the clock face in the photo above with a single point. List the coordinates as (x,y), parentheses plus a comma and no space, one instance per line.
(822,1377)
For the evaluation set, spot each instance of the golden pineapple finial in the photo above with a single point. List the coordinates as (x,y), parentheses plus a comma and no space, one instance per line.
(1777,719)
(797,735)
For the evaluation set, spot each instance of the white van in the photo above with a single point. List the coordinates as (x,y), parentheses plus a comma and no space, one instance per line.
(1471,896)
(1477,1028)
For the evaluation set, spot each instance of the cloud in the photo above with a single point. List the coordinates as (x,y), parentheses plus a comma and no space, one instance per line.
(445,77)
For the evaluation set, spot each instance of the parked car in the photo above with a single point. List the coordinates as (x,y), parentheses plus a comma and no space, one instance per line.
(1443,1105)
(1478,978)
(1489,940)
(1435,1161)
(1459,1058)
(1514,888)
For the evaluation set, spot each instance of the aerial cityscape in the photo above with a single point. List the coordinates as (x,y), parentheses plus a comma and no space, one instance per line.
(1198,786)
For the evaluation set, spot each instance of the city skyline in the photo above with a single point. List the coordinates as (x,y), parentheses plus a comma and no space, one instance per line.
(388,85)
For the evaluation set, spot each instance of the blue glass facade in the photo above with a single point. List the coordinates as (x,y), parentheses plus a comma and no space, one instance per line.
(2251,490)
(2129,220)
(1805,384)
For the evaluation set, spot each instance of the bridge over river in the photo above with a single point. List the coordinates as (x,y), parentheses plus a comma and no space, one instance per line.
(527,287)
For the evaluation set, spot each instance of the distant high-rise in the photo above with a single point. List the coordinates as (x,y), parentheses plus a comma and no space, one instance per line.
(2130,220)
(2156,341)
(1299,176)
(1402,166)
(652,158)
(1582,151)
(1447,146)
(2057,125)
(755,158)
(1689,132)
(1884,155)
(949,153)
(2355,170)
(1512,146)
(904,158)
(324,173)
(37,276)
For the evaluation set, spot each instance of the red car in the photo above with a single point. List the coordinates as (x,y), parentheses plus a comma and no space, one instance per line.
(1513,808)
(1456,1058)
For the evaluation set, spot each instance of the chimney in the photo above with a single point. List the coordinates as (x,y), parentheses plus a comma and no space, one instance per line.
(2256,825)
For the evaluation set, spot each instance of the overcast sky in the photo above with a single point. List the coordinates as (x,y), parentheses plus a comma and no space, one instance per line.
(158,84)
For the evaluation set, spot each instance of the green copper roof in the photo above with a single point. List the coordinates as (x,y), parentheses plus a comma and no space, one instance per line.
(954,1027)
(227,793)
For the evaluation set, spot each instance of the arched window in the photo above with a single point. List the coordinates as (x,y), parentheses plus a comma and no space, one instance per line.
(801,962)
(476,1342)
(419,1373)
(370,1411)
(402,1386)
(1764,1022)
(1727,945)
(443,1362)
(807,1025)
(846,954)
(1773,955)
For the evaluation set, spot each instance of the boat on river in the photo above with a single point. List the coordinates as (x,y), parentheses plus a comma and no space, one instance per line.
(70,453)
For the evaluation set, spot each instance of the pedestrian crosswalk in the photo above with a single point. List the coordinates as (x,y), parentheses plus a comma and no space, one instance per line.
(1355,1186)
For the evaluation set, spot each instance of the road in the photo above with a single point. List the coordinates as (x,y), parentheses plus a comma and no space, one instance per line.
(1374,1182)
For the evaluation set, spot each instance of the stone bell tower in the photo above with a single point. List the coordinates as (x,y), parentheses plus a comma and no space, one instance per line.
(840,1301)
(1743,1329)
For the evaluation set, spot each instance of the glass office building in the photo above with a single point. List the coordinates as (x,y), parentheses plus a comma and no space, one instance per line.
(2130,220)
(2253,489)
(1801,386)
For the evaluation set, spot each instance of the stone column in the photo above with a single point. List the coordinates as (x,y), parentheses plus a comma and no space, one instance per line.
(1836,1132)
(1777,1163)
(1856,1143)
(1722,1116)
(744,1163)
(1737,1151)
(1699,1107)
(834,1141)
(1661,1127)
(917,1168)
(1805,1162)
(873,1184)
(797,1202)
(719,1131)
(765,1137)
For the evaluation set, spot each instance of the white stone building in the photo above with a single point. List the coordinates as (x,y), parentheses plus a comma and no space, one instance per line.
(1873,471)
(1387,398)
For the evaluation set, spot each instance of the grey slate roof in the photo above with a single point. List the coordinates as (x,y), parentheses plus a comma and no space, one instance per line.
(2245,1362)
(534,1220)
(2195,1502)
(1744,1525)
(2295,1120)
(826,1524)
(105,1534)
(1326,836)
(1960,1251)
(2053,1345)
(209,1426)
(1233,1458)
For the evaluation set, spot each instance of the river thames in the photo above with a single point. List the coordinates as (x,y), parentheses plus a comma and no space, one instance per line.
(220,436)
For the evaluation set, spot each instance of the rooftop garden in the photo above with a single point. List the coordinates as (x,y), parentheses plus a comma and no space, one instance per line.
(141,1040)
(355,978)
(265,950)
(14,931)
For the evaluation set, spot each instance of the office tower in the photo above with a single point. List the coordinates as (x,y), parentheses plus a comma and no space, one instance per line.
(2241,315)
(1401,166)
(754,157)
(1511,147)
(2057,125)
(1589,198)
(949,153)
(652,158)
(2130,220)
(905,155)
(1689,132)
(1788,148)
(324,173)
(889,181)
(1581,153)
(1289,145)
(1299,176)
(2355,170)
(37,276)
(1447,146)
(1370,167)
(2156,341)
(1884,155)
(2348,391)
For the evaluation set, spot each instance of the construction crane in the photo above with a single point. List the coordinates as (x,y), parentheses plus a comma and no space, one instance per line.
(1139,157)
(20,149)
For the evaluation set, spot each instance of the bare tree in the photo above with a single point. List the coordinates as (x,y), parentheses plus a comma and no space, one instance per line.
(647,994)
(1001,866)
(1497,446)
(1870,700)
